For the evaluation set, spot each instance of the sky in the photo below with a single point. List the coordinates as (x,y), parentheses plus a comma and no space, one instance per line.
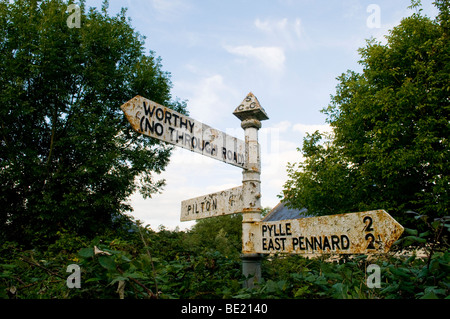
(288,53)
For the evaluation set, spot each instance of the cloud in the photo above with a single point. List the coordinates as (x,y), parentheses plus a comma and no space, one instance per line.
(209,98)
(271,57)
(311,128)
(352,8)
(288,32)
(298,28)
(169,9)
(279,143)
(278,148)
(268,26)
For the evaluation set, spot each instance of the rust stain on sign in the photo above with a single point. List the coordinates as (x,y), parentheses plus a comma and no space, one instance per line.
(250,231)
(353,233)
(155,120)
(225,202)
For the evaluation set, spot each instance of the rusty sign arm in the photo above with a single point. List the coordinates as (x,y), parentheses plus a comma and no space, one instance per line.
(353,233)
(225,202)
(157,121)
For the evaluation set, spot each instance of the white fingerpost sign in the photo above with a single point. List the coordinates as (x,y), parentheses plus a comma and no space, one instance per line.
(225,202)
(352,233)
(155,120)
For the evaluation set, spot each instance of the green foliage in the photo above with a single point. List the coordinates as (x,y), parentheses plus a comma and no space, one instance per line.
(224,235)
(389,148)
(146,264)
(69,159)
(325,182)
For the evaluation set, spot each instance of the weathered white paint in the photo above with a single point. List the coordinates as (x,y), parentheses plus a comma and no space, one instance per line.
(157,121)
(251,114)
(353,233)
(225,202)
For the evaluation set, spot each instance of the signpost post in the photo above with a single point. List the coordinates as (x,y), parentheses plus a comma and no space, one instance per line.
(251,114)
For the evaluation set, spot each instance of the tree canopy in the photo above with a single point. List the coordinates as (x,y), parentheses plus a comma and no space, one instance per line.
(391,125)
(69,159)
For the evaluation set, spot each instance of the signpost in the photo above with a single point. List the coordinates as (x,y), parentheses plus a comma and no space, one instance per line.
(353,233)
(155,120)
(225,202)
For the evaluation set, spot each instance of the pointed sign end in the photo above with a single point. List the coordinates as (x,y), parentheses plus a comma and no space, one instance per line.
(393,229)
(127,105)
(133,111)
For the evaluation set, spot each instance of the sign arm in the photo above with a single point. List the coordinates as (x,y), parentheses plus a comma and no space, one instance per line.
(160,122)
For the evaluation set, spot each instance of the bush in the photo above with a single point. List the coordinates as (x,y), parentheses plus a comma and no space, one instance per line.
(147,264)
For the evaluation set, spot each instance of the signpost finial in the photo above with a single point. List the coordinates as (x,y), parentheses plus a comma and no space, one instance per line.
(250,108)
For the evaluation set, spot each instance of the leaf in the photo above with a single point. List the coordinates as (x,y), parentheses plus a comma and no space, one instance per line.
(135,275)
(107,262)
(125,258)
(341,291)
(118,279)
(86,252)
(410,231)
(429,295)
(423,217)
(436,224)
(8,266)
(92,280)
(424,234)
(301,291)
(401,272)
(416,239)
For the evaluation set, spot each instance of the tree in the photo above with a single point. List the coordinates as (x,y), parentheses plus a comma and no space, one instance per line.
(69,159)
(325,183)
(391,126)
(220,233)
